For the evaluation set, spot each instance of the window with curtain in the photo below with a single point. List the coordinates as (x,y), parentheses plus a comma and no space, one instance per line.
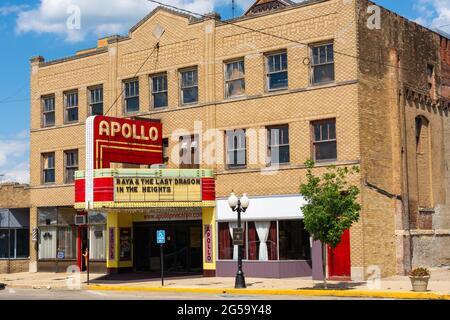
(48,166)
(236,148)
(97,236)
(70,165)
(234,79)
(57,232)
(294,243)
(227,251)
(262,240)
(278,144)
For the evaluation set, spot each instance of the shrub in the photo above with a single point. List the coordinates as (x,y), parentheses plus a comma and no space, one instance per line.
(420,272)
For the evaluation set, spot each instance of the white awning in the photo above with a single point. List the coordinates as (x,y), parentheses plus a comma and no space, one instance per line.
(265,208)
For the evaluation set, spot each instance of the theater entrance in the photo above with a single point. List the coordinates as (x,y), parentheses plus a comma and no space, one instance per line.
(182,251)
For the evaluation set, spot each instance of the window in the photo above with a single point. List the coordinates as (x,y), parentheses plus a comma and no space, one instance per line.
(71,107)
(322,63)
(227,251)
(278,144)
(14,233)
(131,96)
(234,79)
(277,71)
(189,86)
(430,78)
(159,91)
(97,236)
(165,143)
(262,240)
(70,165)
(48,167)
(324,143)
(48,111)
(236,148)
(266,241)
(96,101)
(189,152)
(294,240)
(57,233)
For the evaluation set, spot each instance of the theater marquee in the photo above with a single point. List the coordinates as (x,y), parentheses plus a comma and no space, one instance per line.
(157,189)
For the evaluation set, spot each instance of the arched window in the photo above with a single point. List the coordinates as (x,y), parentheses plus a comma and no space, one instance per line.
(423,162)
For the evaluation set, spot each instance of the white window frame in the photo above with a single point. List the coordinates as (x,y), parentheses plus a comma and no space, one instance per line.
(268,56)
(159,91)
(231,134)
(69,104)
(182,86)
(271,145)
(229,80)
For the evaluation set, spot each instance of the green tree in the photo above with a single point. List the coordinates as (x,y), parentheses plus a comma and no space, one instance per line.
(332,205)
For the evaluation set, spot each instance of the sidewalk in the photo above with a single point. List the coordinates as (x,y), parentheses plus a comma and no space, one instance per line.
(393,287)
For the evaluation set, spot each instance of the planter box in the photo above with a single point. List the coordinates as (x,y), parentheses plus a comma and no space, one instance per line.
(419,284)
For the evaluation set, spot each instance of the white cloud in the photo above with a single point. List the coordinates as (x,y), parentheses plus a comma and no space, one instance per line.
(99,17)
(14,158)
(434,14)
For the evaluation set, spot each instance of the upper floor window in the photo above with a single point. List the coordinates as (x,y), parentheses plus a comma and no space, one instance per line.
(165,143)
(234,79)
(48,167)
(324,143)
(278,144)
(189,152)
(189,86)
(131,96)
(96,101)
(70,165)
(322,63)
(71,107)
(236,148)
(277,71)
(159,91)
(48,111)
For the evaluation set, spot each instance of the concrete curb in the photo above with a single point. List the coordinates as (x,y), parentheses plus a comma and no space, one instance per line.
(323,293)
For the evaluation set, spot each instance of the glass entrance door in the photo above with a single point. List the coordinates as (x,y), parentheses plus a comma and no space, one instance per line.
(182,251)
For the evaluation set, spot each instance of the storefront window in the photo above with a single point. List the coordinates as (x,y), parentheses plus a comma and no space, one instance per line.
(262,241)
(97,236)
(14,233)
(57,233)
(226,249)
(294,240)
(47,242)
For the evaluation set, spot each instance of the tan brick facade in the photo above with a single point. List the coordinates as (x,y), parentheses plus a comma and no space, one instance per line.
(362,99)
(14,196)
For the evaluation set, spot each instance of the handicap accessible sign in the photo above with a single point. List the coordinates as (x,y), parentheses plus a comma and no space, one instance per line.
(161,236)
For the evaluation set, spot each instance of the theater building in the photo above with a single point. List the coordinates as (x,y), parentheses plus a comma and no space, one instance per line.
(240,105)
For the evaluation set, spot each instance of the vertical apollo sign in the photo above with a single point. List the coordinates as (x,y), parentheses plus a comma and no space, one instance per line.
(116,140)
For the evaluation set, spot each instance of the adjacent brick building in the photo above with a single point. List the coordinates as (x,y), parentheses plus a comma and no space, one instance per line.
(310,80)
(14,227)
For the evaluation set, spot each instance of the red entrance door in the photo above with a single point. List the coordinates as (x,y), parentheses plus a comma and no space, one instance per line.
(339,259)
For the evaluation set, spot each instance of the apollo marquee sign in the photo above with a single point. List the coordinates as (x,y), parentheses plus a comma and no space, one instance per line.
(117,140)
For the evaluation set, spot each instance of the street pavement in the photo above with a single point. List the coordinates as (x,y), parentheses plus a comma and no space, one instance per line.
(58,294)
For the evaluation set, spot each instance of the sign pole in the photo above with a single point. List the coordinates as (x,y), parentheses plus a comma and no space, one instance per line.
(162,265)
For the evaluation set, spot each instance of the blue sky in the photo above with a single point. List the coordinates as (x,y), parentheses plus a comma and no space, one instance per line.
(37,27)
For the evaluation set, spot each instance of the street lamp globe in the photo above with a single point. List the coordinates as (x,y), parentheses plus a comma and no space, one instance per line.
(233,201)
(245,201)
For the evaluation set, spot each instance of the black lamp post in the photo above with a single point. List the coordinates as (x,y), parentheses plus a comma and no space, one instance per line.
(239,206)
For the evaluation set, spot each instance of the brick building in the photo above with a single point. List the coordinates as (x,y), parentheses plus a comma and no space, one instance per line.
(283,83)
(14,227)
